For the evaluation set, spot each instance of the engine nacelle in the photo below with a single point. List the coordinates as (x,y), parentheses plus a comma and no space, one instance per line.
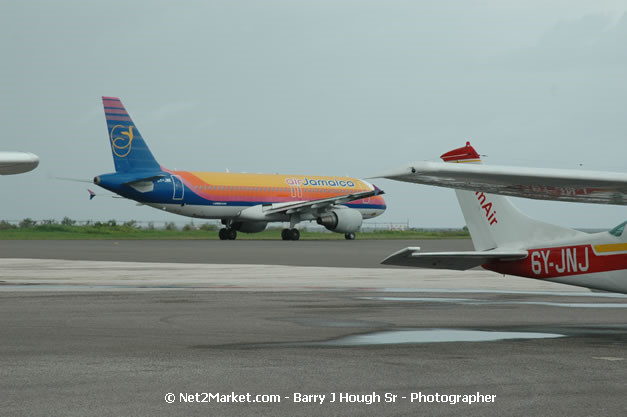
(249,227)
(341,221)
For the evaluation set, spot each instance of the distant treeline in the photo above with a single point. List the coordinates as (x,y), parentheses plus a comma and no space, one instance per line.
(67,223)
(112,229)
(68,228)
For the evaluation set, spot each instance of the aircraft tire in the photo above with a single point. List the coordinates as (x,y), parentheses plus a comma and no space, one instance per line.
(295,234)
(286,234)
(222,234)
(231,234)
(349,236)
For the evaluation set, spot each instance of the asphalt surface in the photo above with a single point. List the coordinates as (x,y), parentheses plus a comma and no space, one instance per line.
(98,338)
(334,253)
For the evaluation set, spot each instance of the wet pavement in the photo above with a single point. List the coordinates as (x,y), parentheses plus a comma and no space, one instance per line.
(94,338)
(117,340)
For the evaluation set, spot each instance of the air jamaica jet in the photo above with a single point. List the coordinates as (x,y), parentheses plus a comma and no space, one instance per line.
(243,202)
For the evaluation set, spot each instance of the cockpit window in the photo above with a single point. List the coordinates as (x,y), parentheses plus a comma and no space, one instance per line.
(618,230)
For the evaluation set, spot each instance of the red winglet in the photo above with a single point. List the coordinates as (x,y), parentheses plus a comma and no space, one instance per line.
(463,154)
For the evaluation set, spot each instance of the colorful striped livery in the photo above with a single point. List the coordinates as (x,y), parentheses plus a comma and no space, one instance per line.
(244,202)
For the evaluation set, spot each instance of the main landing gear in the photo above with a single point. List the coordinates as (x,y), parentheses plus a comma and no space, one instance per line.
(227,233)
(349,236)
(290,234)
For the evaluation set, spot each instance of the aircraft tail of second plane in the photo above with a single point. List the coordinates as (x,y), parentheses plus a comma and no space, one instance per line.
(130,152)
(493,221)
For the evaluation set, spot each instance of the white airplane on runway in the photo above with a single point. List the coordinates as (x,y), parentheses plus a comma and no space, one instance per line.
(508,242)
(17,162)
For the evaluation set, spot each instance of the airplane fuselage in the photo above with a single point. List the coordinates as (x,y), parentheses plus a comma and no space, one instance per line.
(243,202)
(214,195)
(597,260)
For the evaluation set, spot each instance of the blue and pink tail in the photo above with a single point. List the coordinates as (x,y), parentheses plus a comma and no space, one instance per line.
(130,152)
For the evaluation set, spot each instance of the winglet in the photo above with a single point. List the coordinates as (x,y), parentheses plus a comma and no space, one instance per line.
(91,194)
(464,154)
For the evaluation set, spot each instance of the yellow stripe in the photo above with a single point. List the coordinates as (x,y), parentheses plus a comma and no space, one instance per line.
(273,180)
(466,161)
(611,247)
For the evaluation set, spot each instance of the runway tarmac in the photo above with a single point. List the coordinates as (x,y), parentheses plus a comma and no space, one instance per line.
(109,336)
(335,253)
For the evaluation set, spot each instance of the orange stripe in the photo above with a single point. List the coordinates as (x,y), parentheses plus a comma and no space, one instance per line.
(611,247)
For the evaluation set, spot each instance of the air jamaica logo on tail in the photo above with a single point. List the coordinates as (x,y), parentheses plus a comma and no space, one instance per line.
(121,141)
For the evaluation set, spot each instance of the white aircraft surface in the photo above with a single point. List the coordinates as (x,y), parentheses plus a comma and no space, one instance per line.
(538,183)
(507,241)
(17,162)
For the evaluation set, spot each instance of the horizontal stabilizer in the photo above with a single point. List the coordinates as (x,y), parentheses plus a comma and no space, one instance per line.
(146,179)
(450,260)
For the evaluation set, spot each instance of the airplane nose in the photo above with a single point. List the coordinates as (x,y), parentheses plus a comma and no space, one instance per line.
(383,203)
(378,199)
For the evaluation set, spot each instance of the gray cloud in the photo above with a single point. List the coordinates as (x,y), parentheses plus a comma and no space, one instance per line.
(333,87)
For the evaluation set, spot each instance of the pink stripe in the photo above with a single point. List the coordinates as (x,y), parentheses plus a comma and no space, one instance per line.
(121,118)
(116,111)
(113,103)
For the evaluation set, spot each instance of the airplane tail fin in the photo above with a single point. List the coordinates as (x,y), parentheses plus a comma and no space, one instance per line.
(130,152)
(492,220)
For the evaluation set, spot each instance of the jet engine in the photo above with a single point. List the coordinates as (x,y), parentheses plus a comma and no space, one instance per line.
(341,221)
(249,227)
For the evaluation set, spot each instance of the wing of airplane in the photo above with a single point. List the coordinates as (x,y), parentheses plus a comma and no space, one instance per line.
(538,183)
(17,162)
(450,260)
(322,204)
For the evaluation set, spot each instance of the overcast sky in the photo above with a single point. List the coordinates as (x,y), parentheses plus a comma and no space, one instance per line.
(333,87)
